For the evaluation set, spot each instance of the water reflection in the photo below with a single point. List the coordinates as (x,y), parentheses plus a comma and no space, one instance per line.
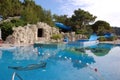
(77,56)
(78,59)
(33,53)
(101,50)
(0,54)
(98,50)
(25,53)
(83,62)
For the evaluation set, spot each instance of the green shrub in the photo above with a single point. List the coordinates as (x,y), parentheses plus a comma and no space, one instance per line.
(102,38)
(112,38)
(82,31)
(6,28)
(56,36)
(18,22)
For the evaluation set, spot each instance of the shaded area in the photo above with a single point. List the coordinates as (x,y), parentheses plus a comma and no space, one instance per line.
(40,32)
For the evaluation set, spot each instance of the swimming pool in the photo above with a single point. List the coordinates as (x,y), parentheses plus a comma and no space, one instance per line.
(61,62)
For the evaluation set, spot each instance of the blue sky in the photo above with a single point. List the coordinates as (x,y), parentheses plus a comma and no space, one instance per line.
(52,5)
(107,10)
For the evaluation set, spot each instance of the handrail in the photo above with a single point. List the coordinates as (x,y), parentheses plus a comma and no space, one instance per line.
(15,74)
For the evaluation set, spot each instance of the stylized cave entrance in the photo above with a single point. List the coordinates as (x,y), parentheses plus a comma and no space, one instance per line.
(40,32)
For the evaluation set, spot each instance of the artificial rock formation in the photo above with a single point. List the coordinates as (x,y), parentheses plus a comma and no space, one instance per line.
(72,36)
(30,34)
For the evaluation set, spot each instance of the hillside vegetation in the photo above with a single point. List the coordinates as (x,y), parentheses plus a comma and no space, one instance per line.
(82,22)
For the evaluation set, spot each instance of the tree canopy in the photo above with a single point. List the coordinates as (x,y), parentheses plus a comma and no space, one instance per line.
(30,12)
(61,18)
(79,21)
(101,27)
(82,18)
(10,8)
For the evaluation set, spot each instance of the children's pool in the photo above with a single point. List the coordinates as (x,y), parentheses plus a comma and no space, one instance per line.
(61,62)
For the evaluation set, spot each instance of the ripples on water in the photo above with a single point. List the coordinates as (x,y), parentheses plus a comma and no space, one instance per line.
(63,62)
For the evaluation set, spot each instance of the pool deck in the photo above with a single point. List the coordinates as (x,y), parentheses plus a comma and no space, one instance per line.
(3,45)
(112,42)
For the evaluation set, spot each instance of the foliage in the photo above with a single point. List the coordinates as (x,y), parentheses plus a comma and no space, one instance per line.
(28,10)
(29,14)
(9,8)
(82,31)
(78,21)
(82,18)
(112,38)
(101,27)
(102,38)
(56,36)
(32,13)
(87,31)
(61,18)
(48,17)
(6,28)
(18,22)
(17,7)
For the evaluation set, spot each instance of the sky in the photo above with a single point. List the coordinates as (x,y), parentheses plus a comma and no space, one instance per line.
(106,10)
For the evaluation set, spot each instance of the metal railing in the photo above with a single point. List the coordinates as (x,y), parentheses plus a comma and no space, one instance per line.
(15,74)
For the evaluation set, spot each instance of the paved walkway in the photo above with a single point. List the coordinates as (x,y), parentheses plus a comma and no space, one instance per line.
(13,45)
(112,42)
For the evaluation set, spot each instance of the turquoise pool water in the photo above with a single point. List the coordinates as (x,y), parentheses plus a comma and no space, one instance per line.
(63,62)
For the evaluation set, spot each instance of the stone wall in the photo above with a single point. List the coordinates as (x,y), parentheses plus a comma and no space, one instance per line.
(29,34)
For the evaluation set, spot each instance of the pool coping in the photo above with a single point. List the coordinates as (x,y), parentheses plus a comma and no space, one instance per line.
(7,45)
(111,42)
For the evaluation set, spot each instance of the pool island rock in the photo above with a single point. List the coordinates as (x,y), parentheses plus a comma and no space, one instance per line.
(31,33)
